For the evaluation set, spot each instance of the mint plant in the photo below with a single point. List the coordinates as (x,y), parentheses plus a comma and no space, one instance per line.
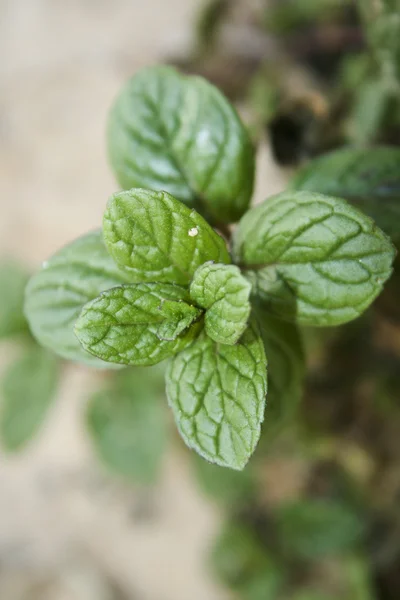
(167,279)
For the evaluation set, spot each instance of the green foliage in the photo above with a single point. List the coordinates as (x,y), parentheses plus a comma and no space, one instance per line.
(312,258)
(161,284)
(57,293)
(179,134)
(138,324)
(369,178)
(224,293)
(128,426)
(286,369)
(13,279)
(217,394)
(28,388)
(241,562)
(312,528)
(153,237)
(382,26)
(231,488)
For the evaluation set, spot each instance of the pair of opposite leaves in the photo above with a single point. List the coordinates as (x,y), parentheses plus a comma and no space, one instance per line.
(217,391)
(308,257)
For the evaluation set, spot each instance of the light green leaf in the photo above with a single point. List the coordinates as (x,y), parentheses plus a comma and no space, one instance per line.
(286,369)
(217,393)
(57,293)
(316,528)
(13,279)
(154,237)
(224,293)
(138,324)
(313,258)
(28,387)
(369,178)
(128,424)
(171,132)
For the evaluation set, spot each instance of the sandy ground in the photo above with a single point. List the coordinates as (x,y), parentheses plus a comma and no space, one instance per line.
(65,528)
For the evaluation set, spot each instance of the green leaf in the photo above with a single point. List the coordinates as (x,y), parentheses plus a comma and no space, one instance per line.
(13,279)
(313,528)
(171,132)
(286,369)
(241,562)
(224,293)
(312,258)
(217,393)
(57,293)
(368,178)
(138,324)
(28,386)
(154,237)
(128,426)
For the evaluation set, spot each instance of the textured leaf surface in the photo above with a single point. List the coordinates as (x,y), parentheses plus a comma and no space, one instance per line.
(13,280)
(155,237)
(369,178)
(224,293)
(316,528)
(286,368)
(138,324)
(312,257)
(176,133)
(56,295)
(28,388)
(217,393)
(128,424)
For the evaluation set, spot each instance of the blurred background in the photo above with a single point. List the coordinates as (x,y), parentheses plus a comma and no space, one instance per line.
(316,515)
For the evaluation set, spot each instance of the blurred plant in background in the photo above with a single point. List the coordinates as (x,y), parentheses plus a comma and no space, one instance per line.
(316,514)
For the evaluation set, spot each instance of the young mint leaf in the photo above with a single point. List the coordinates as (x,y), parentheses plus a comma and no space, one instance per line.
(217,393)
(154,237)
(171,132)
(313,258)
(13,279)
(286,368)
(315,528)
(224,293)
(57,293)
(369,178)
(128,425)
(28,388)
(138,324)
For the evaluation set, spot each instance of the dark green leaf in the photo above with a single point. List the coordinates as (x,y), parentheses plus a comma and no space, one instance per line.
(286,368)
(311,529)
(241,562)
(56,295)
(128,424)
(368,178)
(217,393)
(176,133)
(224,293)
(313,258)
(154,237)
(13,280)
(28,387)
(138,324)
